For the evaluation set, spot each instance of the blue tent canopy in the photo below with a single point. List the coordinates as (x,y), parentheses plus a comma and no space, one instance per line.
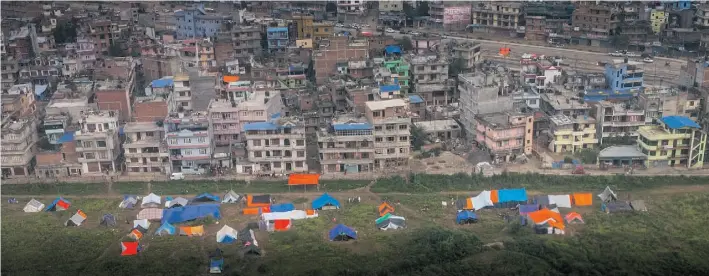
(325,200)
(284,207)
(190,212)
(342,233)
(389,88)
(466,216)
(206,197)
(510,195)
(67,137)
(53,206)
(392,49)
(165,228)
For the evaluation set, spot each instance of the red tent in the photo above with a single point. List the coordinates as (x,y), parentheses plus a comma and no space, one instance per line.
(129,248)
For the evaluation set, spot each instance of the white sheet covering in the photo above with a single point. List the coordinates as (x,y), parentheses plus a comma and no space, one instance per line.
(482,200)
(563,201)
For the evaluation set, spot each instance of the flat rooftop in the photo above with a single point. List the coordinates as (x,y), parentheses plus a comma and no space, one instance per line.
(563,102)
(438,125)
(381,105)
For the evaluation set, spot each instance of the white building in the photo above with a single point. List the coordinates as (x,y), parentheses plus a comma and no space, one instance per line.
(391,122)
(189,141)
(18,147)
(276,147)
(145,148)
(97,142)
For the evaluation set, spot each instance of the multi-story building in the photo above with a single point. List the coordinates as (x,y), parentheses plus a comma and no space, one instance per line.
(617,120)
(322,30)
(675,141)
(504,17)
(22,43)
(10,72)
(114,95)
(547,21)
(331,52)
(701,17)
(182,92)
(660,102)
(481,93)
(449,16)
(696,73)
(572,133)
(391,6)
(504,134)
(277,38)
(346,145)
(145,148)
(394,71)
(539,75)
(469,54)
(97,142)
(304,25)
(228,117)
(593,23)
(658,19)
(21,104)
(277,146)
(246,41)
(391,122)
(196,22)
(189,141)
(104,33)
(55,126)
(429,75)
(624,80)
(18,147)
(351,10)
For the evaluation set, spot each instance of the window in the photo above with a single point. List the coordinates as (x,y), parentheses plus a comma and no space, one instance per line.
(257,154)
(187,140)
(277,165)
(299,142)
(259,113)
(201,139)
(185,103)
(378,139)
(187,152)
(102,155)
(173,141)
(132,150)
(149,134)
(101,144)
(403,138)
(301,153)
(202,151)
(298,164)
(89,155)
(256,143)
(403,127)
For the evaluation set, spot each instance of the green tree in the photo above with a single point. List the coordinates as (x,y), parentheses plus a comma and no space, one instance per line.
(587,156)
(418,137)
(406,43)
(456,67)
(65,32)
(115,50)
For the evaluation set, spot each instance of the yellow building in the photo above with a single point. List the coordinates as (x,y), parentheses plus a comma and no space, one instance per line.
(304,24)
(658,18)
(676,141)
(569,134)
(323,30)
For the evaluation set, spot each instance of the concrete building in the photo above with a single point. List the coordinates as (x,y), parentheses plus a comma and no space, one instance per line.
(145,149)
(246,41)
(539,75)
(449,16)
(701,16)
(189,141)
(277,38)
(547,21)
(346,145)
(675,141)
(18,147)
(660,102)
(304,25)
(594,23)
(658,19)
(114,95)
(196,22)
(481,93)
(624,79)
(505,134)
(97,142)
(391,122)
(228,118)
(10,72)
(617,120)
(394,70)
(469,54)
(429,74)
(22,43)
(440,130)
(351,10)
(182,92)
(276,147)
(54,127)
(695,73)
(103,34)
(501,17)
(330,52)
(571,134)
(322,30)
(18,106)
(391,6)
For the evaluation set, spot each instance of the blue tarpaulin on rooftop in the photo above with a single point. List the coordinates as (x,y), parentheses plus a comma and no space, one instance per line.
(67,137)
(415,99)
(40,89)
(260,126)
(161,83)
(674,122)
(389,88)
(190,212)
(392,49)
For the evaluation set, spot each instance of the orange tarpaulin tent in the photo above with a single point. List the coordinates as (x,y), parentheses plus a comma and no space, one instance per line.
(583,199)
(251,211)
(547,216)
(385,208)
(192,230)
(309,212)
(262,201)
(494,196)
(304,179)
(281,224)
(230,78)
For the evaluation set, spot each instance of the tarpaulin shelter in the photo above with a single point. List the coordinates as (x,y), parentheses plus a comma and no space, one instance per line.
(215,266)
(59,204)
(142,223)
(178,202)
(482,200)
(227,235)
(168,200)
(108,220)
(190,212)
(192,230)
(325,202)
(385,208)
(153,214)
(151,200)
(128,202)
(137,232)
(275,225)
(608,195)
(511,197)
(283,207)
(251,211)
(562,201)
(392,49)
(390,221)
(638,205)
(573,217)
(205,198)
(129,248)
(464,204)
(165,229)
(342,233)
(583,199)
(616,207)
(466,217)
(541,200)
(528,208)
(249,243)
(231,197)
(299,179)
(258,201)
(295,214)
(77,219)
(547,217)
(33,206)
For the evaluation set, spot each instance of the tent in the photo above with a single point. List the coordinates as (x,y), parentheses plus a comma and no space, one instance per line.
(33,206)
(178,202)
(284,207)
(216,266)
(59,204)
(616,207)
(137,232)
(258,201)
(390,221)
(562,201)
(325,202)
(190,212)
(466,217)
(231,197)
(249,242)
(251,211)
(153,214)
(77,219)
(528,208)
(542,200)
(108,220)
(165,229)
(638,205)
(547,217)
(464,204)
(482,200)
(608,195)
(342,233)
(130,248)
(583,199)
(128,202)
(192,230)
(226,235)
(295,214)
(385,208)
(142,223)
(151,200)
(281,224)
(205,198)
(514,196)
(573,217)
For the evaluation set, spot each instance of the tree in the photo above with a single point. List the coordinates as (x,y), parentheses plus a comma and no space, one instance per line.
(64,33)
(115,50)
(406,43)
(418,137)
(456,67)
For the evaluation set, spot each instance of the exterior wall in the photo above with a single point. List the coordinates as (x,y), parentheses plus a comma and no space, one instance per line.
(277,38)
(565,139)
(277,152)
(18,147)
(391,6)
(665,147)
(97,144)
(347,151)
(145,149)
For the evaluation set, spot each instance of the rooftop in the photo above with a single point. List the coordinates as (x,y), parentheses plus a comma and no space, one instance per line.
(675,122)
(563,102)
(561,119)
(621,151)
(381,105)
(140,126)
(497,120)
(437,125)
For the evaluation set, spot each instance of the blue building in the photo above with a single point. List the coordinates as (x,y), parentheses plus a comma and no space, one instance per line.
(195,22)
(624,80)
(678,5)
(277,38)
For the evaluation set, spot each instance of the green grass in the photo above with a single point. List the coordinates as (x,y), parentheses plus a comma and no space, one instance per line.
(54,189)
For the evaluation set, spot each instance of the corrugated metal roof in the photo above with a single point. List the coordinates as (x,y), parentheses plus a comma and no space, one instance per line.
(260,126)
(389,88)
(675,122)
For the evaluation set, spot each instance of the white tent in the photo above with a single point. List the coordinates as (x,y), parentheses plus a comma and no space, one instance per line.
(226,235)
(142,223)
(150,214)
(151,200)
(295,214)
(482,200)
(33,206)
(128,202)
(608,195)
(178,202)
(231,197)
(77,219)
(563,201)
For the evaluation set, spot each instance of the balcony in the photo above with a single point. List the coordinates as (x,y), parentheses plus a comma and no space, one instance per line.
(645,146)
(189,157)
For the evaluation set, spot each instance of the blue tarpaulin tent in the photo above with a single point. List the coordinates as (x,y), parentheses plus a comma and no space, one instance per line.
(466,216)
(190,212)
(67,137)
(165,229)
(510,195)
(215,266)
(342,233)
(206,197)
(392,49)
(58,204)
(284,207)
(325,201)
(528,208)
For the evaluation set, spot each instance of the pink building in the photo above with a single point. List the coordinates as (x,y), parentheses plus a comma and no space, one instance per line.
(229,117)
(505,135)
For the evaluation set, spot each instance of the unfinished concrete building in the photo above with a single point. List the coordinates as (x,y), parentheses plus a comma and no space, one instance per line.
(145,148)
(275,147)
(391,122)
(97,142)
(330,52)
(429,74)
(469,55)
(346,145)
(482,93)
(18,147)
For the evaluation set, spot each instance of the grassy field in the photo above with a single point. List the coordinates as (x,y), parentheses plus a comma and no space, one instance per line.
(670,239)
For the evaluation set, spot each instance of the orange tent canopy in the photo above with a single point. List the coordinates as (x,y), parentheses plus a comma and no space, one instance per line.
(281,224)
(385,208)
(230,78)
(583,199)
(494,196)
(251,211)
(544,215)
(304,179)
(250,202)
